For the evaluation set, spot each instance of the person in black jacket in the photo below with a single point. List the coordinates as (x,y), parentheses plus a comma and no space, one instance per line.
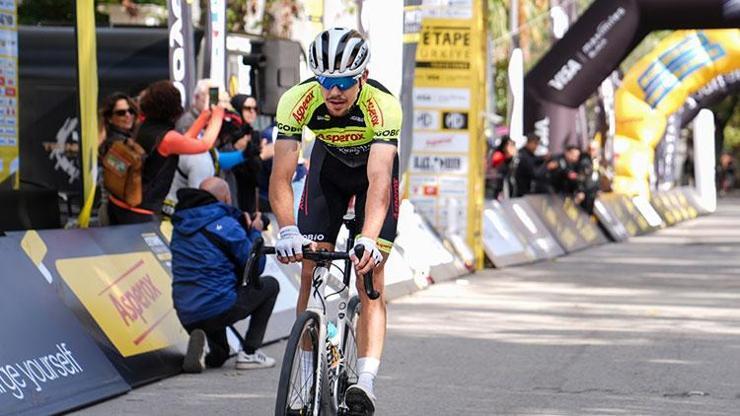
(563,174)
(248,138)
(529,170)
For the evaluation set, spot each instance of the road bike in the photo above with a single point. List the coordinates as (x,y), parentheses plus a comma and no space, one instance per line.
(320,360)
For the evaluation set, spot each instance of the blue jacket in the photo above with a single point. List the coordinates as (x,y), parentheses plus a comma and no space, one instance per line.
(205,276)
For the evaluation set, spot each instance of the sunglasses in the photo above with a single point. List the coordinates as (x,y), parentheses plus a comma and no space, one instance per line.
(343,83)
(121,113)
(249,108)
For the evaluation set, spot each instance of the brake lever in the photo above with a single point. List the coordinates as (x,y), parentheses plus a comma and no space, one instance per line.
(368,278)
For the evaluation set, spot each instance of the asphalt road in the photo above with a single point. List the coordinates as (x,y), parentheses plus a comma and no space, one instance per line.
(648,327)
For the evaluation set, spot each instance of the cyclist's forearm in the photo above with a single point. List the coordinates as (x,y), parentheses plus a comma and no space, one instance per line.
(281,191)
(281,202)
(376,207)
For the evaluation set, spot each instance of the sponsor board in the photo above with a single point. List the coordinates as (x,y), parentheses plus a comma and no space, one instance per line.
(8,90)
(456,187)
(504,246)
(570,225)
(442,98)
(424,186)
(450,59)
(524,219)
(48,362)
(130,298)
(455,120)
(441,142)
(439,164)
(426,120)
(448,9)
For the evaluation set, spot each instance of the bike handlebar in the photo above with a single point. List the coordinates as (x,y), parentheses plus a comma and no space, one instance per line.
(314,255)
(259,248)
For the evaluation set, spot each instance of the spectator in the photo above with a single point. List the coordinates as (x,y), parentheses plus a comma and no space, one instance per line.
(589,176)
(161,143)
(246,175)
(529,170)
(726,173)
(563,174)
(201,101)
(502,162)
(211,243)
(193,169)
(263,179)
(118,114)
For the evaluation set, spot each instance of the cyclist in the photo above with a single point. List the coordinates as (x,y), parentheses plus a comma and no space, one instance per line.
(357,123)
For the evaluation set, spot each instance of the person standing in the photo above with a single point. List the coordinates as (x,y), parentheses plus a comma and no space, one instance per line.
(247,174)
(118,113)
(201,101)
(161,144)
(529,171)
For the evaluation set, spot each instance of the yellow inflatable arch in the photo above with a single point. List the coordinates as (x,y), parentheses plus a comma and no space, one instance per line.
(676,73)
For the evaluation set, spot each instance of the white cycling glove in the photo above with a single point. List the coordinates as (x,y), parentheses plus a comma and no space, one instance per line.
(290,242)
(370,246)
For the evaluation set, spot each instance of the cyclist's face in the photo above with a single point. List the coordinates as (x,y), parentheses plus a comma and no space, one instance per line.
(339,102)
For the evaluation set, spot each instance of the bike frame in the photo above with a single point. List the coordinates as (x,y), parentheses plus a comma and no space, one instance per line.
(317,302)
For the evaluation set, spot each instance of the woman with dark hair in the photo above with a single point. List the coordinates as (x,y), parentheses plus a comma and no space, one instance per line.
(162,144)
(118,113)
(249,140)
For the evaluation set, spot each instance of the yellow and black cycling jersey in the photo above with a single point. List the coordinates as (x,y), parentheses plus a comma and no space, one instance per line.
(375,118)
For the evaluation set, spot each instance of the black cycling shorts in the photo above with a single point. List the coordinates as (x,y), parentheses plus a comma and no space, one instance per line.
(329,187)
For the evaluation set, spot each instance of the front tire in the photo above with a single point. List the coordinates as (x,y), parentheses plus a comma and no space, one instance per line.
(297,392)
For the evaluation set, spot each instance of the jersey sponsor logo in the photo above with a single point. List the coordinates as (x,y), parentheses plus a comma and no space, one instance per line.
(353,150)
(387,134)
(325,117)
(357,119)
(376,116)
(341,137)
(284,128)
(315,237)
(300,110)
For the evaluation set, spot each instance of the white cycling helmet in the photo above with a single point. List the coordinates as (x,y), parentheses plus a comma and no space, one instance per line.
(338,52)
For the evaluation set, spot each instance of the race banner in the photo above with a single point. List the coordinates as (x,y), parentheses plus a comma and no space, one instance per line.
(48,362)
(117,281)
(8,94)
(595,45)
(445,169)
(661,94)
(182,48)
(87,79)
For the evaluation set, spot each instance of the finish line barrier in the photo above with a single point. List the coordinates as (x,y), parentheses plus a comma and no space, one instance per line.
(109,289)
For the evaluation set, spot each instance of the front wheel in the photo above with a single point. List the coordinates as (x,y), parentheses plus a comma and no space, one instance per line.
(299,388)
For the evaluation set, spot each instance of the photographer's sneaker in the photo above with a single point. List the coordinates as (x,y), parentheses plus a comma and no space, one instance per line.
(195,357)
(251,361)
(359,400)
